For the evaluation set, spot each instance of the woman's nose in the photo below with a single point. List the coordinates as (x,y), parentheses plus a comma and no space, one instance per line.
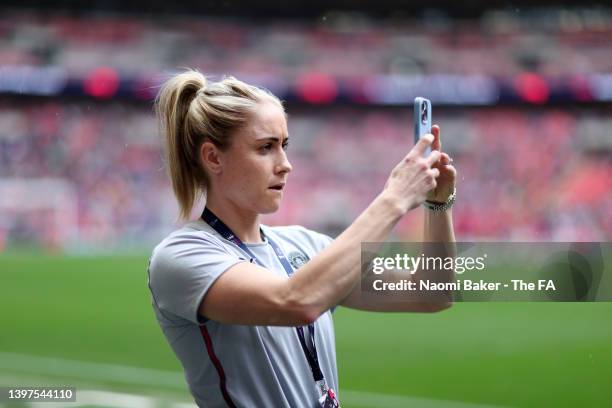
(284,166)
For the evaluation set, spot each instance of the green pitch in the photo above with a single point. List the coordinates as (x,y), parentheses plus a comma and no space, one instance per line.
(97,309)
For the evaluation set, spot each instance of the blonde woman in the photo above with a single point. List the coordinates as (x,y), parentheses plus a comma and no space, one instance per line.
(247,307)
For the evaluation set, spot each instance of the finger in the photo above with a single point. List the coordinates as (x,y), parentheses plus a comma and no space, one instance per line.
(433,157)
(445,159)
(435,172)
(452,171)
(437,143)
(424,142)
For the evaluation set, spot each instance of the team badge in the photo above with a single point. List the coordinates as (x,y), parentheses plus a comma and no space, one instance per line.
(297,259)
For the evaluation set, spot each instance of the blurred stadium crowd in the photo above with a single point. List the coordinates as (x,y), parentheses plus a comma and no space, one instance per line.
(500,44)
(526,173)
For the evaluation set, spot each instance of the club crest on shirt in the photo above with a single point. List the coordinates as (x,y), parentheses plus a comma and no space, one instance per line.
(297,259)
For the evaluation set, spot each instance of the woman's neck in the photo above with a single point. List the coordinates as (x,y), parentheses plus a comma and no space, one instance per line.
(243,223)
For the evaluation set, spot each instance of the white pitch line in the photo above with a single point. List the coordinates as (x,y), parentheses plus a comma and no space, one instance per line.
(91,371)
(107,399)
(175,380)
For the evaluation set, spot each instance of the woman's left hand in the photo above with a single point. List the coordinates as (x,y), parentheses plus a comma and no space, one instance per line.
(445,183)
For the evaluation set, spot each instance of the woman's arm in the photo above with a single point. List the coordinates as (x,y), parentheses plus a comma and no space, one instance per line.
(439,224)
(438,228)
(249,294)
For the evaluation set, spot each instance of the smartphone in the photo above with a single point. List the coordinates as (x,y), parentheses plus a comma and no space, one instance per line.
(422,119)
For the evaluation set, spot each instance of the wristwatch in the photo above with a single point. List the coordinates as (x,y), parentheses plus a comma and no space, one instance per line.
(433,206)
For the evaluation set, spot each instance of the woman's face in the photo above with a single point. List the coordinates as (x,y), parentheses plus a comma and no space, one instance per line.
(255,167)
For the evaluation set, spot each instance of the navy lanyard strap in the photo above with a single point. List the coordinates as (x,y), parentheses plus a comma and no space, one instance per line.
(311,353)
(211,219)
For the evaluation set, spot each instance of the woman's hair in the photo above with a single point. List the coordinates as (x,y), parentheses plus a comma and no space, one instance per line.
(190,110)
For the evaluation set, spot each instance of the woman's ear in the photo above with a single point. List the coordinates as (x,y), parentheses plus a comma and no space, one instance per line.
(210,157)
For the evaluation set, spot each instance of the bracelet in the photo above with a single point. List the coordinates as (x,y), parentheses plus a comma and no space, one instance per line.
(433,206)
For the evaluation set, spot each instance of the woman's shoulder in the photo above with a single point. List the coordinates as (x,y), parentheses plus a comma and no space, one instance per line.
(191,236)
(193,230)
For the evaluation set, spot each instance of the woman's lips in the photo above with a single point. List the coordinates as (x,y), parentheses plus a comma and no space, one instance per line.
(278,187)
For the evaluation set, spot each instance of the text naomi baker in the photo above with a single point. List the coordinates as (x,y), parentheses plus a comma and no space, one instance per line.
(405,284)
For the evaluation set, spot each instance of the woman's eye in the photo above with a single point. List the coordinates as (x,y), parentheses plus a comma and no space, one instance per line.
(269,146)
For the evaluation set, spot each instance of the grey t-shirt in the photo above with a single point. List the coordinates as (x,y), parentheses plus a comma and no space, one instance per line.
(253,366)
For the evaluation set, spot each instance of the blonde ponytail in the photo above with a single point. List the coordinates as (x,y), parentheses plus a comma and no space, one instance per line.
(190,110)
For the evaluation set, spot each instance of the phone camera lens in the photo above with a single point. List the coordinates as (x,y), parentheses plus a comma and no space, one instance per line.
(424,113)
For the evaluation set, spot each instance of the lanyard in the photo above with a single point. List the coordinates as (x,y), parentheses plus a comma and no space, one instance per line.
(310,348)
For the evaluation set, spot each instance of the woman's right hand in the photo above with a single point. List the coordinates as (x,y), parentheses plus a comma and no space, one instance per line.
(413,177)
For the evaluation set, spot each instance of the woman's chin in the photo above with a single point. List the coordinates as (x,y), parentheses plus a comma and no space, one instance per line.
(271,207)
